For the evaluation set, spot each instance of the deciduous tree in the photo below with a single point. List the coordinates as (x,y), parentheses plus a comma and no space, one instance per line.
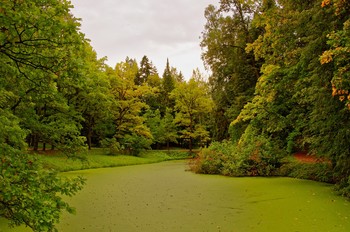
(192,103)
(38,40)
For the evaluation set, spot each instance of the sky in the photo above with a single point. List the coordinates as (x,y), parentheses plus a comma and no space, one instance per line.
(159,29)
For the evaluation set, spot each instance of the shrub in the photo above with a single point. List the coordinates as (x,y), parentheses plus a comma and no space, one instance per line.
(312,171)
(253,155)
(219,158)
(111,145)
(343,187)
(261,155)
(134,144)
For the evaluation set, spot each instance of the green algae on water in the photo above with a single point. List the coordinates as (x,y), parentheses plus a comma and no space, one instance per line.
(164,197)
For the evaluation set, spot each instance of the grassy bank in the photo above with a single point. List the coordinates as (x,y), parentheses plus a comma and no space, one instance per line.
(98,158)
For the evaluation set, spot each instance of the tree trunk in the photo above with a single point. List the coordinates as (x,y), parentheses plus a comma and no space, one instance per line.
(35,142)
(88,137)
(90,125)
(190,145)
(44,146)
(191,131)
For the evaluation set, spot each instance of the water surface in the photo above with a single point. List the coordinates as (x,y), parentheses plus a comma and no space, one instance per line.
(165,197)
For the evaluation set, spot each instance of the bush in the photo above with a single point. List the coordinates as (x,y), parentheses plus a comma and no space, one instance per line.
(261,154)
(111,145)
(134,144)
(343,187)
(253,155)
(312,171)
(219,158)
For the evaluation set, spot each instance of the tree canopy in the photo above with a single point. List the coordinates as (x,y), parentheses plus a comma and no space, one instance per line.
(280,75)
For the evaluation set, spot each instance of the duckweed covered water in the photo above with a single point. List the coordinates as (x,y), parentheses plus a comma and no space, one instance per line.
(164,197)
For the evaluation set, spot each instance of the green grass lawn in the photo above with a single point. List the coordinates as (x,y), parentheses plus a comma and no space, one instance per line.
(98,158)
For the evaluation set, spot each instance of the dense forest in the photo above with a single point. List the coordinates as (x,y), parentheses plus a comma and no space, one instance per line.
(278,85)
(279,81)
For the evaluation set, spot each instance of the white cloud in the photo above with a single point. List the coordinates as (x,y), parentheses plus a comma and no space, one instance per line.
(160,29)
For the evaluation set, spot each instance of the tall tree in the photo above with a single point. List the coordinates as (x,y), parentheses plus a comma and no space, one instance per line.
(148,75)
(234,72)
(168,84)
(293,105)
(94,99)
(145,71)
(38,39)
(128,104)
(192,103)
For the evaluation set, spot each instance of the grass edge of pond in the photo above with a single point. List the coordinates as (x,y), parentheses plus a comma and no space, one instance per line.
(98,158)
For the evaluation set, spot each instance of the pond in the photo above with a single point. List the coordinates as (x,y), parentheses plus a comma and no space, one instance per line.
(165,197)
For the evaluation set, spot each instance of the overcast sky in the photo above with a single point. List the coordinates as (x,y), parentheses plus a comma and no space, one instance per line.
(160,29)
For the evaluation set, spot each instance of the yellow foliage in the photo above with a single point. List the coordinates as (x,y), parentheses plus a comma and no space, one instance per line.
(325,3)
(326,57)
(334,90)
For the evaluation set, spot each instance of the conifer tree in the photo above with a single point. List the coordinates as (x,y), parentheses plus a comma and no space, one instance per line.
(146,69)
(168,85)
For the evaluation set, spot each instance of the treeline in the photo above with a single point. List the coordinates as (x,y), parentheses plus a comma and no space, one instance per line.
(65,98)
(280,85)
(56,94)
(132,108)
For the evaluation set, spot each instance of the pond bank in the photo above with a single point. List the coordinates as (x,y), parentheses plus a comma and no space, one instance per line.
(164,197)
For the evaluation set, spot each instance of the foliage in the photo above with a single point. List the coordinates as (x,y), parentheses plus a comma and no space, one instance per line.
(145,71)
(131,131)
(219,158)
(163,129)
(301,49)
(112,145)
(38,38)
(133,144)
(252,156)
(318,171)
(261,153)
(94,99)
(234,72)
(40,75)
(28,193)
(192,103)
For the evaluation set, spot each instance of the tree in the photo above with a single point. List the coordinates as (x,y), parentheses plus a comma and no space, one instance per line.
(148,75)
(192,104)
(128,104)
(38,39)
(29,194)
(339,52)
(304,51)
(146,70)
(163,129)
(170,129)
(177,76)
(94,99)
(154,123)
(234,72)
(168,84)
(39,67)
